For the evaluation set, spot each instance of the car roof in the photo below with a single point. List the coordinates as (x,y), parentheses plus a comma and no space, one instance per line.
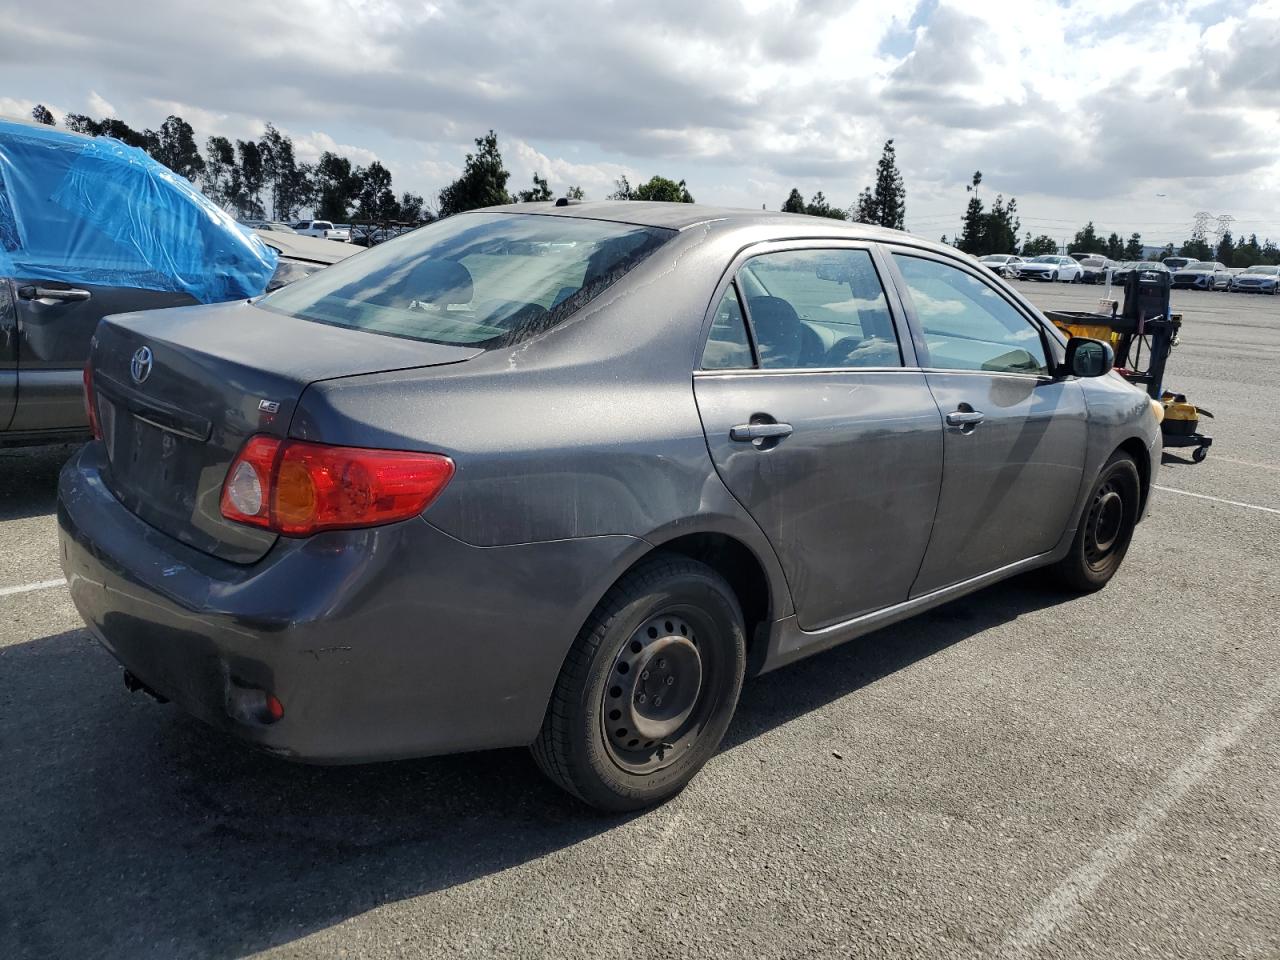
(682,216)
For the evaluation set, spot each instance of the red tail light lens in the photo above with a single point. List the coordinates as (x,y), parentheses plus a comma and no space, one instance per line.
(298,488)
(90,407)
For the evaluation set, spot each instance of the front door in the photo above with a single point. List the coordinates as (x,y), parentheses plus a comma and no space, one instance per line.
(820,428)
(1014,436)
(55,323)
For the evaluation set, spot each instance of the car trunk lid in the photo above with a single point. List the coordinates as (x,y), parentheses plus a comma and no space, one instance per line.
(179,391)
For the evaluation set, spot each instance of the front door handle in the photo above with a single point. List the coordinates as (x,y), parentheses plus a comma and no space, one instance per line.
(49,293)
(747,432)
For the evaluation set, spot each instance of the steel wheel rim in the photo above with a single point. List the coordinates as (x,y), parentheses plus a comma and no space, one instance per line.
(655,701)
(1106,524)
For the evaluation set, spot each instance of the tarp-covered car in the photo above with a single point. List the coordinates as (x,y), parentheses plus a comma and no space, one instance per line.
(91,227)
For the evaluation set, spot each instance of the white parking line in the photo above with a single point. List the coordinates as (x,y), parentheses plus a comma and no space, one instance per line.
(1056,911)
(29,587)
(1205,496)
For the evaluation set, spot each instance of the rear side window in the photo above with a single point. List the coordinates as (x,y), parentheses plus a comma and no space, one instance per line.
(477,279)
(727,345)
(818,308)
(966,324)
(322,225)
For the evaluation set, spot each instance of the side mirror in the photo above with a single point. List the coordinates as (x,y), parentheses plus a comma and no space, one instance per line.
(1088,358)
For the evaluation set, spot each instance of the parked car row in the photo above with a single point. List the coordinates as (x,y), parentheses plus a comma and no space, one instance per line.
(1202,275)
(325,229)
(1257,279)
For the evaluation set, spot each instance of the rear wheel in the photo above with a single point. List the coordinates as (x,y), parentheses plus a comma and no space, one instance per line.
(1106,527)
(648,689)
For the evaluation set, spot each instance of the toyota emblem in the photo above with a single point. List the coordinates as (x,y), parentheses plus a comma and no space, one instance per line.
(140,365)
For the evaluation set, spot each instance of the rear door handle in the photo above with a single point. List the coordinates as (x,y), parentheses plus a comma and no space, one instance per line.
(48,293)
(965,418)
(746,432)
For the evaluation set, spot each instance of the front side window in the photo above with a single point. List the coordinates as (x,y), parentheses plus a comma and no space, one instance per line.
(475,279)
(818,308)
(727,345)
(966,324)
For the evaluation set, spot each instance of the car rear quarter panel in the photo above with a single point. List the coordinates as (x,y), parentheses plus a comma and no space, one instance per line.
(587,430)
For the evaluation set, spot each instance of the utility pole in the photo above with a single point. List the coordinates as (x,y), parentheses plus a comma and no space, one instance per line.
(1200,226)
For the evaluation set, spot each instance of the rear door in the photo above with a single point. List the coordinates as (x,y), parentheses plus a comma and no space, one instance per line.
(1015,435)
(55,322)
(8,354)
(821,424)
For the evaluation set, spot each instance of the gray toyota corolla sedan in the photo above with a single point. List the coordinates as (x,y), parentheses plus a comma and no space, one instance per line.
(562,475)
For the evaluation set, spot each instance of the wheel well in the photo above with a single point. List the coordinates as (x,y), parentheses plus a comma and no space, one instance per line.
(734,561)
(1137,449)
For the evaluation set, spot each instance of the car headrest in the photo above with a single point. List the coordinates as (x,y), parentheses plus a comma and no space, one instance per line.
(442,282)
(778,331)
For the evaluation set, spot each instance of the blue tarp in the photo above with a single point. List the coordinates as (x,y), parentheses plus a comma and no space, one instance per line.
(95,211)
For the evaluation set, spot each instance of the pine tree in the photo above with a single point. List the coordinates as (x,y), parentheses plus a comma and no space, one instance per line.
(1227,249)
(1000,227)
(865,210)
(890,193)
(1133,249)
(794,202)
(1115,246)
(1086,240)
(819,207)
(971,240)
(42,114)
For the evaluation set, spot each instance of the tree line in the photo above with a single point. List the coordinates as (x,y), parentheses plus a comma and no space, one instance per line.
(261,179)
(883,203)
(1228,251)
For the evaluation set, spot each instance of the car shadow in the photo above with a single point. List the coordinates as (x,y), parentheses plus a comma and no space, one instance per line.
(29,479)
(130,830)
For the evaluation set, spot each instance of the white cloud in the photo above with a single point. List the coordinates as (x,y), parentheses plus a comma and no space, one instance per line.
(99,106)
(1077,107)
(309,146)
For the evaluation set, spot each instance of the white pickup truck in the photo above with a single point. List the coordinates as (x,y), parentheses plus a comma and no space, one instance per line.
(322,228)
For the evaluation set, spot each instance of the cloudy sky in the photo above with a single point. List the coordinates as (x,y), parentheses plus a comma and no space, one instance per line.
(1134,115)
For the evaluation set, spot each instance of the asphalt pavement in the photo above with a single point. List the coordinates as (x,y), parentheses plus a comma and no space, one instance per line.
(1017,774)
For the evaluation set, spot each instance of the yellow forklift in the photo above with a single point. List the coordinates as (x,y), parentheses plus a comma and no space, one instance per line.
(1142,334)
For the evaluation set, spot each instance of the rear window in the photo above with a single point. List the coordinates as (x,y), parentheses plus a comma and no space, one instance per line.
(477,279)
(322,225)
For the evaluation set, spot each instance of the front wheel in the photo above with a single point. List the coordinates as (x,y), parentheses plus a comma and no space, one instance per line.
(648,688)
(1053,277)
(1106,527)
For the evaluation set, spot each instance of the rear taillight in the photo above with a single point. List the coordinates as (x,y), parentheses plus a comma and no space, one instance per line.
(298,488)
(90,405)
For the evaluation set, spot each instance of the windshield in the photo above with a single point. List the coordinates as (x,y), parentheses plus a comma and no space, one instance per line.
(995,258)
(1268,271)
(1199,265)
(1092,261)
(1047,258)
(476,279)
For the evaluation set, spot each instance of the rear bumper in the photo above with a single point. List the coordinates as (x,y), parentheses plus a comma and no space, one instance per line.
(392,642)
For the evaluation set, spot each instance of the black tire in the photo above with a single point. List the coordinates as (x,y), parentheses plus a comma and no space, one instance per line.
(1053,277)
(687,624)
(1106,527)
